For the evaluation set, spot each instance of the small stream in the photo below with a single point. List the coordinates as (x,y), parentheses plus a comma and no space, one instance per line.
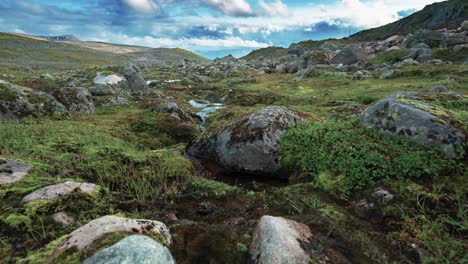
(205,109)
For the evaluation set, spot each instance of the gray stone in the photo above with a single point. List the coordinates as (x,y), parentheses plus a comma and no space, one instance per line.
(406,114)
(350,55)
(420,53)
(84,236)
(278,240)
(329,46)
(17,102)
(173,110)
(361,75)
(382,195)
(439,89)
(455,38)
(75,99)
(63,218)
(55,191)
(133,249)
(390,74)
(296,49)
(135,82)
(464,25)
(11,171)
(250,144)
(311,71)
(281,69)
(409,62)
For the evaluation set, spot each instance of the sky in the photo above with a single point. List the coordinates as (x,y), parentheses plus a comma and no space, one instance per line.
(213,28)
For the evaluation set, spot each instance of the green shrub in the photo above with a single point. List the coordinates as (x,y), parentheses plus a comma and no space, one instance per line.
(450,55)
(365,99)
(355,156)
(390,56)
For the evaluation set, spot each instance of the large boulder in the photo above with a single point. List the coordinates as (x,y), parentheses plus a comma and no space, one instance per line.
(433,39)
(278,240)
(75,99)
(464,25)
(250,144)
(17,102)
(11,171)
(135,82)
(84,237)
(408,114)
(55,191)
(421,53)
(296,49)
(350,55)
(133,249)
(454,39)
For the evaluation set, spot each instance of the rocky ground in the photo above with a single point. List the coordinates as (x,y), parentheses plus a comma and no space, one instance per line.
(335,152)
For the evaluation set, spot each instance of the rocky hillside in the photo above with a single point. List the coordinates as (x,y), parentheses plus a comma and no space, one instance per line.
(448,14)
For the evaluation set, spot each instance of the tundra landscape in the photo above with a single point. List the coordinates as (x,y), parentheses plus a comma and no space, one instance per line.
(337,150)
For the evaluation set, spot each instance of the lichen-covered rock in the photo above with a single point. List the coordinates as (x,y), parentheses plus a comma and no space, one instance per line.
(11,171)
(55,191)
(407,114)
(75,99)
(250,144)
(135,82)
(464,25)
(421,53)
(133,249)
(173,110)
(17,102)
(86,235)
(350,55)
(278,240)
(361,75)
(390,74)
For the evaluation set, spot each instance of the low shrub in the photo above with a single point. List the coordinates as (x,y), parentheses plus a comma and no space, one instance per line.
(353,157)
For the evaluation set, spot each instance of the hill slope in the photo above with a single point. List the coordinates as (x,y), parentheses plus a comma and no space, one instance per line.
(164,56)
(38,52)
(448,14)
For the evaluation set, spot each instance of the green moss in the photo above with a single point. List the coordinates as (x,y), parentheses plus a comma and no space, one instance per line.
(42,255)
(208,188)
(6,94)
(392,56)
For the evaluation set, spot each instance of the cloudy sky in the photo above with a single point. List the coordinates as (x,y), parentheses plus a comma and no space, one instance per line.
(208,27)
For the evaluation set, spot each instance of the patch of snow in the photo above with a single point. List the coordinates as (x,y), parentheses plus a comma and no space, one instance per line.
(109,79)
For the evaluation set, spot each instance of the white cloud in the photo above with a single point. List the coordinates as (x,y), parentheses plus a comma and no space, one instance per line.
(231,7)
(187,43)
(143,6)
(275,8)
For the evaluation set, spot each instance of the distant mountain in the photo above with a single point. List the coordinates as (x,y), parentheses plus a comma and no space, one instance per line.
(60,38)
(448,14)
